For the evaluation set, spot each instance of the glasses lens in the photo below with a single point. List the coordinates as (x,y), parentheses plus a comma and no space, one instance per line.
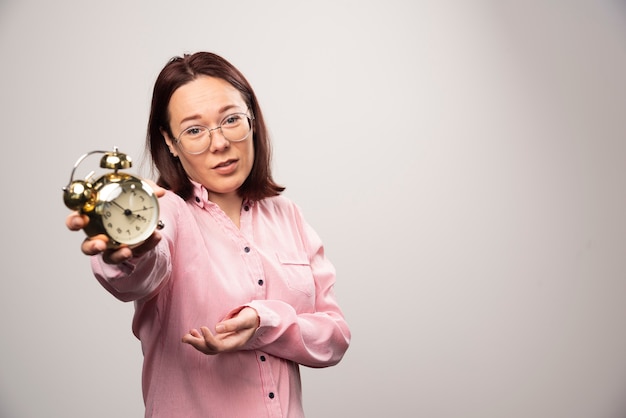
(236,127)
(195,139)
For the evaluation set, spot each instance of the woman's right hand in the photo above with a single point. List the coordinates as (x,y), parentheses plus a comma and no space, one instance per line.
(97,244)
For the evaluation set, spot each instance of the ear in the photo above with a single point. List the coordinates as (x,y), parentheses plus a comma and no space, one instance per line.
(169,142)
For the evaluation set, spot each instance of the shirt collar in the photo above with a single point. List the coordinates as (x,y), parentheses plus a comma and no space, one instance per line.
(201,196)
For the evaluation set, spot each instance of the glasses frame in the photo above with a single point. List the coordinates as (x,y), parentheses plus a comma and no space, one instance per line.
(219,127)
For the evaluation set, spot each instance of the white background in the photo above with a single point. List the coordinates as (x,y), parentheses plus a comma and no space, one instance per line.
(463,161)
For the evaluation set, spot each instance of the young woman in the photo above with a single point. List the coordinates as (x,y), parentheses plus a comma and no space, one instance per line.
(235,292)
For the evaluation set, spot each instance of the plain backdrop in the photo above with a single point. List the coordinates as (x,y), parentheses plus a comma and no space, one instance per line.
(463,161)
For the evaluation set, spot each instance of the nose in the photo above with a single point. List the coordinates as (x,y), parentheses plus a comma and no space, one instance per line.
(218,140)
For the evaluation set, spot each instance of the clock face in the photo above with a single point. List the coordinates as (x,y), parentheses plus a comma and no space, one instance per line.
(129,210)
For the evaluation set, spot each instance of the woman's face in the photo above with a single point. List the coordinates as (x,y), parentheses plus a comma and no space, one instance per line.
(224,166)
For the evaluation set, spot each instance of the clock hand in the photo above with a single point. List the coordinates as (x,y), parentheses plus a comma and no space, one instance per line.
(144,208)
(127,212)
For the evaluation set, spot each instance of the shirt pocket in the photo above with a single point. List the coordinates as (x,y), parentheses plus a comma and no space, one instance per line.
(296,270)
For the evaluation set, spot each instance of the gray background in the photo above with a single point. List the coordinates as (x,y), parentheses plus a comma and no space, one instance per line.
(462,160)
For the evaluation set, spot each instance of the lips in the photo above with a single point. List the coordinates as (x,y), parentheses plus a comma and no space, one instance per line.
(225,163)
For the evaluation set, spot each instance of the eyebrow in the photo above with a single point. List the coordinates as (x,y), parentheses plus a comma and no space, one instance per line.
(220,111)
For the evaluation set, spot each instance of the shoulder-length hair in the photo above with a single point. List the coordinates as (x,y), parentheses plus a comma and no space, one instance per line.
(178,72)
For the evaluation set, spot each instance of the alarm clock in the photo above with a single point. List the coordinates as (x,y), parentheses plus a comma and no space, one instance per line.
(119,205)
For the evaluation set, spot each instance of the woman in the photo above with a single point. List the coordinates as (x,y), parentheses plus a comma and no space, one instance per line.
(235,292)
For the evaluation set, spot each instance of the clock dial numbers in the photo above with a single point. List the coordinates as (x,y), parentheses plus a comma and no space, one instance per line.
(130,211)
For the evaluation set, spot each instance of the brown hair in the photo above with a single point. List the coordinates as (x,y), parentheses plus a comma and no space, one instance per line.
(178,72)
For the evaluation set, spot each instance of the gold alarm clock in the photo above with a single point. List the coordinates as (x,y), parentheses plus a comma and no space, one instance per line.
(119,205)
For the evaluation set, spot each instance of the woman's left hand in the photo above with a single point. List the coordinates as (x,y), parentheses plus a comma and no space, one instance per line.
(230,334)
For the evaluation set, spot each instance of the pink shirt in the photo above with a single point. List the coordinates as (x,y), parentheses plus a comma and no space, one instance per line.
(206,268)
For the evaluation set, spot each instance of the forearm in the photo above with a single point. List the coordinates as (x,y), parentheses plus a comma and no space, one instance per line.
(136,279)
(318,339)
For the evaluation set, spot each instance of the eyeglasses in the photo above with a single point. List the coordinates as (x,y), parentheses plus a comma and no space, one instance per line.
(197,139)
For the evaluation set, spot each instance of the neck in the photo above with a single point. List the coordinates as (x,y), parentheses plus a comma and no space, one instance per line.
(229,203)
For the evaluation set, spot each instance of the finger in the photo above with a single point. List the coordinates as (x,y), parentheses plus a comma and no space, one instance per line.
(229,327)
(214,343)
(147,245)
(193,337)
(158,190)
(94,245)
(247,318)
(76,221)
(203,342)
(207,335)
(197,343)
(117,256)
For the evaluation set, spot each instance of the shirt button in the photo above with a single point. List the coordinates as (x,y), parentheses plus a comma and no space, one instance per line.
(246,249)
(271,395)
(262,358)
(246,208)
(260,282)
(197,199)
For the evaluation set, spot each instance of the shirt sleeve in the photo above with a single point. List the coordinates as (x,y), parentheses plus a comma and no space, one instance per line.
(135,279)
(314,339)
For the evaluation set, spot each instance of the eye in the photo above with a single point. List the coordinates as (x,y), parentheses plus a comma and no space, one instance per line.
(232,120)
(193,132)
